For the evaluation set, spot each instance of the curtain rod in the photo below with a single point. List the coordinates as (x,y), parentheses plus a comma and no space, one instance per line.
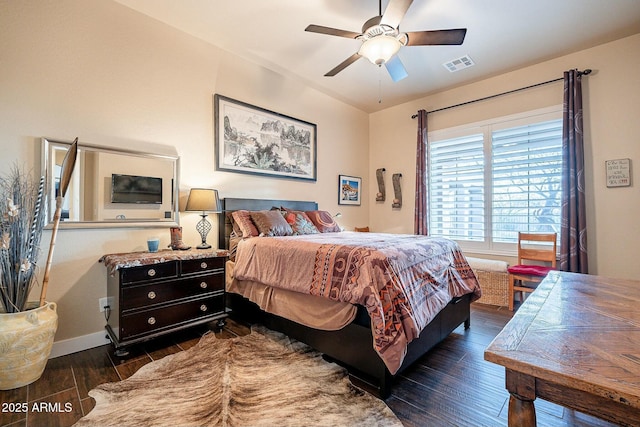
(585,72)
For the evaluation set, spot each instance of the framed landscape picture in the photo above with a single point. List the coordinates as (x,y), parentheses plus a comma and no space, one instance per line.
(253,140)
(349,190)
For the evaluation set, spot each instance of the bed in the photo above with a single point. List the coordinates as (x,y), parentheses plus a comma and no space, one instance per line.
(372,341)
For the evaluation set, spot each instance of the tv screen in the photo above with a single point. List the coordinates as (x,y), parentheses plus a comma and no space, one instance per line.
(135,189)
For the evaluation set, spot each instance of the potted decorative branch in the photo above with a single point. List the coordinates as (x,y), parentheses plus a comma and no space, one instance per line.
(27,328)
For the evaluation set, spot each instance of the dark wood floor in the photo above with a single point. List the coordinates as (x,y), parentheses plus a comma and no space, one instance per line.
(450,386)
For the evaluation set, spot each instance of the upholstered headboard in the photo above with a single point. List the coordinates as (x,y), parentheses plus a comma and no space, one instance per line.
(230,204)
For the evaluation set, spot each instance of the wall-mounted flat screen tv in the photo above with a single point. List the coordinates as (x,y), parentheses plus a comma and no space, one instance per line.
(136,189)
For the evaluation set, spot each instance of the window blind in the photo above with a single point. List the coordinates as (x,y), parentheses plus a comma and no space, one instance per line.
(526,180)
(456,188)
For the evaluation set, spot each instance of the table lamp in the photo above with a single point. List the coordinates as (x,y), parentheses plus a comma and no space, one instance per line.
(203,200)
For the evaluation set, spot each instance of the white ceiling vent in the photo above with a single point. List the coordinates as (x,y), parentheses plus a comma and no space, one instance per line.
(459,64)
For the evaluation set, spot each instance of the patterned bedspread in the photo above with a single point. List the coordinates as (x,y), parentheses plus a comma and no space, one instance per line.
(402,280)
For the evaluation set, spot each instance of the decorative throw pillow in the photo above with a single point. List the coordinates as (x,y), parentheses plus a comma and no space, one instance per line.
(244,222)
(300,223)
(323,221)
(271,223)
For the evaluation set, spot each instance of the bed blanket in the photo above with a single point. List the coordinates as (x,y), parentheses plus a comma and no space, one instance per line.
(402,280)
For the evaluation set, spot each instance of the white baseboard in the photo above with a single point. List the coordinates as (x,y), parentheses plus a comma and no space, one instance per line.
(73,345)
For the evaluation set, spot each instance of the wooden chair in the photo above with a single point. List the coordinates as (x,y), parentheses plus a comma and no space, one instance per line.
(362,229)
(538,248)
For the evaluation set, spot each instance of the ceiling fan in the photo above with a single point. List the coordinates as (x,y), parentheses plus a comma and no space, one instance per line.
(381,39)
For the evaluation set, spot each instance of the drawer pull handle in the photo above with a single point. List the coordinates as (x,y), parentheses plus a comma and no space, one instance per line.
(203,265)
(203,285)
(151,295)
(151,320)
(203,307)
(151,272)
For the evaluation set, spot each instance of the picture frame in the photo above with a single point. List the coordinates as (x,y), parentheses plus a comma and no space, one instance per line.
(618,172)
(257,141)
(349,190)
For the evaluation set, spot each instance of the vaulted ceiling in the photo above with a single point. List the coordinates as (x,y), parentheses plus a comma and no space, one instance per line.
(502,35)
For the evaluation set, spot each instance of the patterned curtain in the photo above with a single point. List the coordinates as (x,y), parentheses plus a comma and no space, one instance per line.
(420,217)
(573,233)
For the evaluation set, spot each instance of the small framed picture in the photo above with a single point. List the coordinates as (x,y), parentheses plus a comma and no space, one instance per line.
(618,172)
(349,190)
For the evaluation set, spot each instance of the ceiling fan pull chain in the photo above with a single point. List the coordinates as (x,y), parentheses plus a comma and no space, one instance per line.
(379,84)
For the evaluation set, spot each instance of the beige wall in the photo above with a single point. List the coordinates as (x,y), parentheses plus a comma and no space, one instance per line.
(611,106)
(111,76)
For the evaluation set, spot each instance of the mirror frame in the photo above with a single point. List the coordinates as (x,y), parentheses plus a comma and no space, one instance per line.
(46,151)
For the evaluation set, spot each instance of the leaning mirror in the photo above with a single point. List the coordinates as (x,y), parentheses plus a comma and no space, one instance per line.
(112,187)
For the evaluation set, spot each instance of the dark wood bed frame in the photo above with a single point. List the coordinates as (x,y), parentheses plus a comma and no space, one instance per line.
(351,346)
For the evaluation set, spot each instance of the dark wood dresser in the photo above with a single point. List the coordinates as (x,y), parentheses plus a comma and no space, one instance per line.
(152,294)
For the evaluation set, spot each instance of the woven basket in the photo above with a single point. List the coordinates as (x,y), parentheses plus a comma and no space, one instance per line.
(495,287)
(26,339)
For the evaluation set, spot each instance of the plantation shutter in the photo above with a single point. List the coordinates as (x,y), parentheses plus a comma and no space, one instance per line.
(456,188)
(526,178)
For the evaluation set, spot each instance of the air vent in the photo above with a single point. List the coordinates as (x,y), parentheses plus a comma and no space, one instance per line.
(459,64)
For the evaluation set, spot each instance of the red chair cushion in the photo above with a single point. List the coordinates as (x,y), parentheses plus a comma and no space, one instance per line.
(530,270)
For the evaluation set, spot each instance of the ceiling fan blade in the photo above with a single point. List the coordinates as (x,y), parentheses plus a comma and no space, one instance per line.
(331,31)
(396,69)
(395,11)
(344,64)
(443,37)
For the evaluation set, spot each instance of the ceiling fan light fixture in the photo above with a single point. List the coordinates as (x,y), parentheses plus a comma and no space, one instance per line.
(380,49)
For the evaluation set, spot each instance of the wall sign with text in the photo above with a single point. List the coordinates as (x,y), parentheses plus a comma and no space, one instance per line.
(618,172)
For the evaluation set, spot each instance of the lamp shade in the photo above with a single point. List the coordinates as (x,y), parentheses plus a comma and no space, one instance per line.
(380,49)
(203,200)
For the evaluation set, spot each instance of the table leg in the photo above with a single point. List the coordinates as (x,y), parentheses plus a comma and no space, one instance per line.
(522,412)
(522,387)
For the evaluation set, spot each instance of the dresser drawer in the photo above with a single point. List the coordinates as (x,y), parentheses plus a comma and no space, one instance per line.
(146,273)
(193,266)
(147,321)
(140,296)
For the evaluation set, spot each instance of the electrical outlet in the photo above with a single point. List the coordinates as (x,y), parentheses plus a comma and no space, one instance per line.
(102,302)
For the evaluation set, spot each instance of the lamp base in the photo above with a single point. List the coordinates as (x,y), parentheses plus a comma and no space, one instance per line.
(203,228)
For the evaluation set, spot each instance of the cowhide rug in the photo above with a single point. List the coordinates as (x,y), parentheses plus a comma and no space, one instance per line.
(261,379)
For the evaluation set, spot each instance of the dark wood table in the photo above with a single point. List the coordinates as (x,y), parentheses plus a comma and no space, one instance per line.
(575,342)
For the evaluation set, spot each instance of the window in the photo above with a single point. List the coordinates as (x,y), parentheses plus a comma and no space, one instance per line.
(488,181)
